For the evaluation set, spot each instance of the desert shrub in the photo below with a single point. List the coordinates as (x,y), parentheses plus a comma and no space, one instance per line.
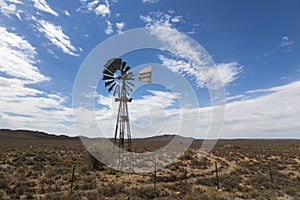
(1,194)
(207,181)
(239,171)
(201,163)
(229,157)
(29,195)
(291,191)
(96,164)
(111,171)
(171,178)
(253,194)
(196,195)
(147,192)
(3,181)
(111,189)
(62,196)
(230,183)
(15,196)
(183,187)
(89,183)
(84,170)
(40,157)
(92,196)
(187,156)
(173,166)
(260,181)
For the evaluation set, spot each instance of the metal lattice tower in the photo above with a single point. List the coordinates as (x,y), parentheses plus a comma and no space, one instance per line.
(120,80)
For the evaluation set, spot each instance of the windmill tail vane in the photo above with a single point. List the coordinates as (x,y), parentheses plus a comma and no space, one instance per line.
(119,80)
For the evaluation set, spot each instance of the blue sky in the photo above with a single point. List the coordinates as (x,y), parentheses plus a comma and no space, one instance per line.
(254,44)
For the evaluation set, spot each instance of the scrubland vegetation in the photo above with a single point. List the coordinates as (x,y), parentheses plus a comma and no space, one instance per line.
(36,169)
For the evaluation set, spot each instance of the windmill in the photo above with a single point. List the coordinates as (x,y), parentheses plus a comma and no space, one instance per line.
(120,80)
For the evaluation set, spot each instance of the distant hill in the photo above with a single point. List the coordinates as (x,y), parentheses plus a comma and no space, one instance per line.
(15,138)
(30,138)
(165,137)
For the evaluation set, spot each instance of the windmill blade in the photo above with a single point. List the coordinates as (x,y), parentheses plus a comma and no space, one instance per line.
(128,94)
(146,74)
(107,83)
(109,62)
(123,66)
(107,72)
(105,77)
(128,88)
(127,68)
(113,64)
(108,65)
(130,83)
(111,87)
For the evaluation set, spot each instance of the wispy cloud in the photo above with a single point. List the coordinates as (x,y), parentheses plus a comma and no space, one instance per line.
(120,26)
(229,72)
(109,29)
(271,115)
(287,44)
(9,7)
(149,114)
(150,1)
(187,58)
(102,9)
(67,13)
(56,36)
(43,6)
(18,58)
(21,104)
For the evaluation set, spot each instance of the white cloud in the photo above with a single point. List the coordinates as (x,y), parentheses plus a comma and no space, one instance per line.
(272,115)
(67,13)
(91,5)
(109,30)
(287,44)
(45,113)
(176,19)
(120,26)
(148,114)
(18,58)
(229,72)
(43,6)
(187,57)
(15,1)
(9,7)
(275,114)
(150,1)
(14,88)
(57,37)
(102,9)
(22,106)
(146,19)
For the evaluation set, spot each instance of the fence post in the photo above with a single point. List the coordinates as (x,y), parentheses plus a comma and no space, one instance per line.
(217,175)
(154,176)
(72,179)
(270,171)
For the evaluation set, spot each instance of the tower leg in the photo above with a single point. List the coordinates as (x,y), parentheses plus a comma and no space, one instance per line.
(124,146)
